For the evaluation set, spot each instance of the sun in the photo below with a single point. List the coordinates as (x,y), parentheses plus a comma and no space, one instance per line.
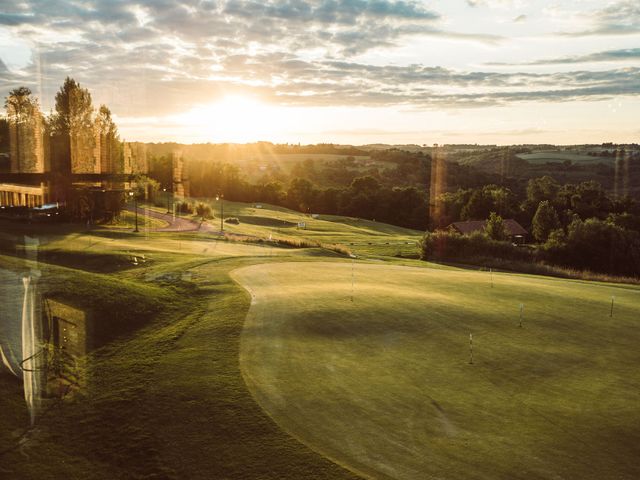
(235,118)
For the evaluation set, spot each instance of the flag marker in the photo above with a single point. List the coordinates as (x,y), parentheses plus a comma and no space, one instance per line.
(613,299)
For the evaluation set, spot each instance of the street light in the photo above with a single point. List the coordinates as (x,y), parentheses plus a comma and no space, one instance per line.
(167,194)
(220,197)
(135,208)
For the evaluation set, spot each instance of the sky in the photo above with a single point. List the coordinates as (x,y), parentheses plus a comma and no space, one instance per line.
(338,71)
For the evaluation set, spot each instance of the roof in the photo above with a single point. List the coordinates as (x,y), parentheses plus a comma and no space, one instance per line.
(513,228)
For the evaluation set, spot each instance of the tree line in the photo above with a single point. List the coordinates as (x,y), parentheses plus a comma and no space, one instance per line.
(579,226)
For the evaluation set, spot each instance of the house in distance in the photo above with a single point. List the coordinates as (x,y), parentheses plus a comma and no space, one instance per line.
(515,231)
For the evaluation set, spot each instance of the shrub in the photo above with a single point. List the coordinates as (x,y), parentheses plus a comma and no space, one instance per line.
(596,245)
(441,245)
(232,221)
(203,210)
(184,207)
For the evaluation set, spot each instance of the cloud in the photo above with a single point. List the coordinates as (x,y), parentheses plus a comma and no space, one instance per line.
(155,57)
(492,3)
(617,18)
(606,56)
(520,19)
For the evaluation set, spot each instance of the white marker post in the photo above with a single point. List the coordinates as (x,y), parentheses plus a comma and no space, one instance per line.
(613,299)
(353,266)
(471,348)
(521,309)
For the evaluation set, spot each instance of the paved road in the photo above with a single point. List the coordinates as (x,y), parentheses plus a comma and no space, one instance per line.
(178,224)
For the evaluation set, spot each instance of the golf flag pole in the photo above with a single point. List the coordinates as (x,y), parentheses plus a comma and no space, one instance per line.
(521,309)
(471,348)
(353,266)
(491,274)
(613,299)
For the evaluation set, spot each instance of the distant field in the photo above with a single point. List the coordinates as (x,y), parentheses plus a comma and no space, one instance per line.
(559,157)
(383,384)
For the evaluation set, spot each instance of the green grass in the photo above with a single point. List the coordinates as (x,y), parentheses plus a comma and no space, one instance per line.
(383,384)
(362,237)
(127,219)
(164,397)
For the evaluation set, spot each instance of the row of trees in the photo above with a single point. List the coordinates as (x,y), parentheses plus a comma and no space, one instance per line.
(364,197)
(578,226)
(545,205)
(596,245)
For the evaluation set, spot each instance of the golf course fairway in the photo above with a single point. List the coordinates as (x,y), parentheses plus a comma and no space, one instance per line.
(382,384)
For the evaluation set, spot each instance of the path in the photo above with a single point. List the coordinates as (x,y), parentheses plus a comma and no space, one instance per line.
(177,224)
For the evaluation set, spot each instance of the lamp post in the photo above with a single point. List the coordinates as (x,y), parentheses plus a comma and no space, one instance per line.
(167,194)
(220,197)
(135,209)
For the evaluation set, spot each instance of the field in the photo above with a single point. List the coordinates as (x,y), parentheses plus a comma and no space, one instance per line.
(383,385)
(246,357)
(537,158)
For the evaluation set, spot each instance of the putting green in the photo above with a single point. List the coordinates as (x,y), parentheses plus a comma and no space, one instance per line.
(383,385)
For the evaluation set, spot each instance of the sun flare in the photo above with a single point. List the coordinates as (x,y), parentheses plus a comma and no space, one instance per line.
(236,118)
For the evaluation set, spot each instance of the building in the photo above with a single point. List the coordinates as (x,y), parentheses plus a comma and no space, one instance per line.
(515,231)
(97,161)
(180,178)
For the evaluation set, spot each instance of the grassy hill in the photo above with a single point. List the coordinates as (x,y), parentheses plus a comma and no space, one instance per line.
(361,237)
(383,385)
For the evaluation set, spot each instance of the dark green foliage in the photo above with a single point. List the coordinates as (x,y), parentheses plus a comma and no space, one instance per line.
(544,221)
(443,245)
(495,228)
(592,245)
(184,207)
(596,245)
(203,210)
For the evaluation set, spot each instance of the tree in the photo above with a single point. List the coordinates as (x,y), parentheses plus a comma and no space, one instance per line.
(539,190)
(301,194)
(109,142)
(25,131)
(366,185)
(480,205)
(495,228)
(545,221)
(145,188)
(597,245)
(72,128)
